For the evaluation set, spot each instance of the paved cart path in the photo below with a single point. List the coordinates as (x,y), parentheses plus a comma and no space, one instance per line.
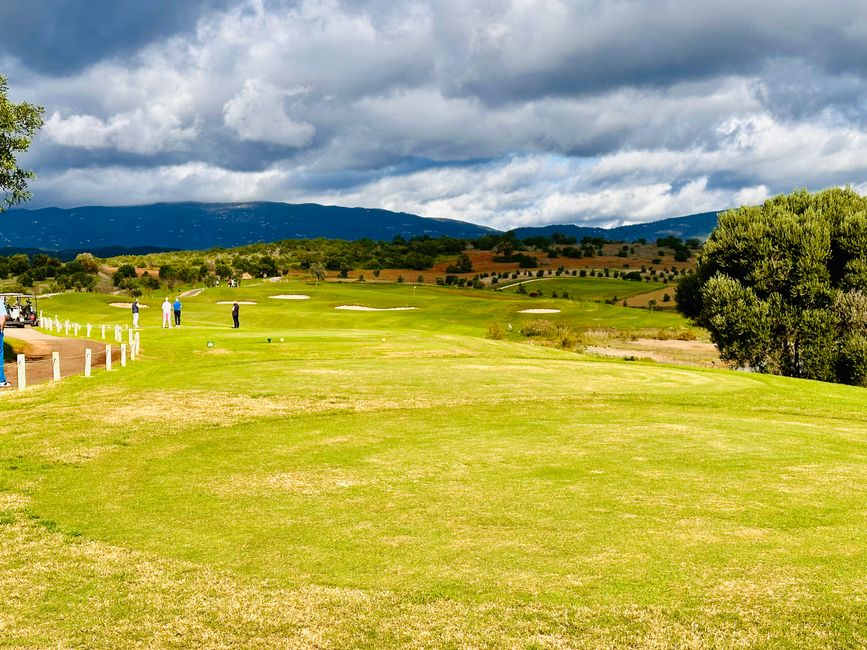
(38,346)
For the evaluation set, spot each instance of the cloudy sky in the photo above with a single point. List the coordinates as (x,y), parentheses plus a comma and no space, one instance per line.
(499,112)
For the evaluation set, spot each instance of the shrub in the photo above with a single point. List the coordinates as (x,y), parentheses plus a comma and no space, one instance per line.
(560,336)
(495,332)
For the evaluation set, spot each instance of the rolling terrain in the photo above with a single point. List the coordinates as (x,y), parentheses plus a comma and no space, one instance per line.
(103,230)
(343,478)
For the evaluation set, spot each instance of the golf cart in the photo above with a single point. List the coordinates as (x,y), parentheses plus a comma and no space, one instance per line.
(20,309)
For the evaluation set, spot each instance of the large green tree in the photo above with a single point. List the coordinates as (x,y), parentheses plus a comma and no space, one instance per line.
(782,287)
(18,124)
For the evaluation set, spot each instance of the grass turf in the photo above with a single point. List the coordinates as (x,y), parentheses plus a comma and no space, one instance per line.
(392,478)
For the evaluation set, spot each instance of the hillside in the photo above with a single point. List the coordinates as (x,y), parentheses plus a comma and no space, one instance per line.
(697,226)
(107,230)
(207,225)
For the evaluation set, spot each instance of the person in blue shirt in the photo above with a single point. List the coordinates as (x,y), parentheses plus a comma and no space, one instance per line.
(3,316)
(177,307)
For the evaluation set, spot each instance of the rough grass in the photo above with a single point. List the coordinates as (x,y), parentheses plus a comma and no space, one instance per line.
(383,480)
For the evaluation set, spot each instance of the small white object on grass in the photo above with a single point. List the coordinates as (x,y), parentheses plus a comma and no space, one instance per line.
(282,339)
(383,340)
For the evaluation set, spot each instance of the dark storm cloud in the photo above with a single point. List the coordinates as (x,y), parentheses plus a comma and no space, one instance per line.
(58,37)
(596,46)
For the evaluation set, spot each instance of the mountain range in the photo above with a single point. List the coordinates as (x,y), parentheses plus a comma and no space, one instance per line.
(185,226)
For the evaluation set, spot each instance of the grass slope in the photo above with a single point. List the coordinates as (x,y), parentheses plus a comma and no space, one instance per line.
(392,478)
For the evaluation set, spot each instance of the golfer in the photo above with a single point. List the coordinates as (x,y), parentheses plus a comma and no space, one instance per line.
(135,308)
(177,309)
(235,309)
(167,313)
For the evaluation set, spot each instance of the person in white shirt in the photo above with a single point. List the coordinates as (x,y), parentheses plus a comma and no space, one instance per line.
(167,313)
(135,310)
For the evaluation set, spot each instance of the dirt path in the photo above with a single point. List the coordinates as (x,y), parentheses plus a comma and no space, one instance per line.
(37,346)
(191,293)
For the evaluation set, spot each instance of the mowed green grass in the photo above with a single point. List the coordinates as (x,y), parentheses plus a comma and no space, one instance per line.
(395,479)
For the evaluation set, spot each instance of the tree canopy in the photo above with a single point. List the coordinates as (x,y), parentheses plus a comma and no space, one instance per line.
(781,286)
(18,124)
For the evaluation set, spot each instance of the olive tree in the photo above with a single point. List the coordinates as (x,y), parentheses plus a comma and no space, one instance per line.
(18,124)
(780,286)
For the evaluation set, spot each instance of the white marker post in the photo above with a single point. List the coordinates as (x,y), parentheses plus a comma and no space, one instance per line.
(66,327)
(55,365)
(131,335)
(132,350)
(22,373)
(87,359)
(103,332)
(88,330)
(108,358)
(123,355)
(117,331)
(77,326)
(137,344)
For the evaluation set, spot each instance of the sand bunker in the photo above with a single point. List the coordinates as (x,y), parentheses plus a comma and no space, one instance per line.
(360,308)
(126,305)
(539,311)
(291,296)
(232,302)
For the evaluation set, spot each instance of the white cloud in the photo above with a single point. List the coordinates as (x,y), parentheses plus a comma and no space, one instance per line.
(143,131)
(258,113)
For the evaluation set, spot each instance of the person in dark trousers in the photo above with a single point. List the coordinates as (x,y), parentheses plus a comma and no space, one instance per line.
(177,307)
(235,309)
(135,311)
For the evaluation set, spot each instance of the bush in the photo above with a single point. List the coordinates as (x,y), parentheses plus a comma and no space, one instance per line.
(560,336)
(495,332)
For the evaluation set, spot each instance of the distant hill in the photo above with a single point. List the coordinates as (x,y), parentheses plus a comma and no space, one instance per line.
(183,226)
(106,231)
(686,227)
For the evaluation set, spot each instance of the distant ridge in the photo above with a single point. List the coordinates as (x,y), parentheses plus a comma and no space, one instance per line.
(687,227)
(184,226)
(105,230)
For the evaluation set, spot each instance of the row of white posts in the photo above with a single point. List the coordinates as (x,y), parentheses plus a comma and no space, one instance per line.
(54,324)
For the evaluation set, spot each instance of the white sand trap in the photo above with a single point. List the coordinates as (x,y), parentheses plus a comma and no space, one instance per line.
(290,296)
(539,311)
(232,302)
(361,308)
(126,305)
